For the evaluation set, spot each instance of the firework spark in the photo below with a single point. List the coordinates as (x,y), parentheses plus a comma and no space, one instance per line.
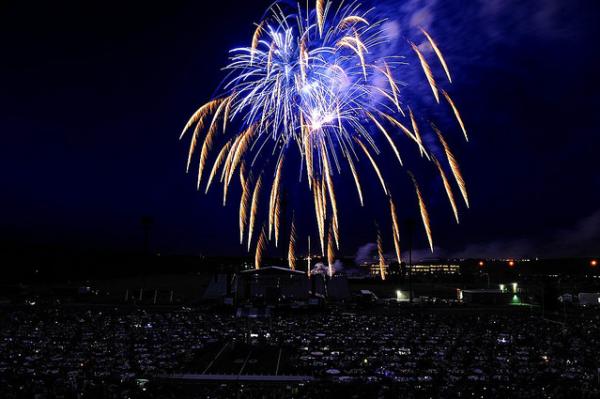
(243,205)
(375,167)
(380,255)
(356,181)
(254,209)
(198,120)
(217,164)
(456,114)
(395,229)
(427,71)
(274,200)
(260,249)
(330,254)
(437,51)
(448,188)
(292,247)
(453,166)
(423,210)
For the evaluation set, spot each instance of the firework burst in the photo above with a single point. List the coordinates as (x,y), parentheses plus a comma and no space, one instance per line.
(315,81)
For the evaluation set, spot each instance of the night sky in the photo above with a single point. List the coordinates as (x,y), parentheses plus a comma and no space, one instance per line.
(93,96)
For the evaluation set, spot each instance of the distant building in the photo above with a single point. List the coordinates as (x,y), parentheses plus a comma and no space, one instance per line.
(435,267)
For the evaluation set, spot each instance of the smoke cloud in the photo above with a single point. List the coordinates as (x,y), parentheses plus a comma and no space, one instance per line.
(582,239)
(365,252)
(321,268)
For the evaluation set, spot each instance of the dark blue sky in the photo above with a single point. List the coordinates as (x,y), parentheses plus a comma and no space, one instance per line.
(93,96)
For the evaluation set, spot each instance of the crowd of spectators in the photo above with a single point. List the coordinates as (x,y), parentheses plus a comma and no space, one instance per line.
(78,352)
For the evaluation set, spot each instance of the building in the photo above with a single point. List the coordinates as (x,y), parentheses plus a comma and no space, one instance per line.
(589,298)
(220,285)
(427,267)
(435,267)
(375,269)
(272,284)
(332,287)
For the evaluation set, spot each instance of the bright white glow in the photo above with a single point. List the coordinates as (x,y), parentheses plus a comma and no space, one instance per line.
(319,118)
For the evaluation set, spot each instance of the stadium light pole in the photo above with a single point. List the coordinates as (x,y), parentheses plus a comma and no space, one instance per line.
(410,227)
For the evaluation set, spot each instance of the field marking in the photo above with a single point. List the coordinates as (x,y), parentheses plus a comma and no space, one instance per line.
(245,361)
(278,360)
(216,357)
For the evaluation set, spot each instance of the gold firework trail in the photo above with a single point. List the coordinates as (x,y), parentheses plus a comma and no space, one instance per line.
(198,119)
(373,163)
(292,247)
(274,195)
(356,180)
(260,249)
(438,53)
(229,159)
(255,39)
(380,255)
(447,187)
(427,71)
(360,47)
(254,209)
(456,114)
(243,174)
(217,164)
(453,166)
(319,213)
(423,209)
(227,167)
(244,206)
(227,111)
(277,215)
(396,245)
(352,20)
(355,44)
(306,139)
(323,211)
(199,115)
(336,233)
(387,136)
(394,217)
(393,86)
(395,229)
(239,151)
(320,15)
(330,253)
(208,140)
(417,133)
(406,131)
(323,197)
(332,199)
